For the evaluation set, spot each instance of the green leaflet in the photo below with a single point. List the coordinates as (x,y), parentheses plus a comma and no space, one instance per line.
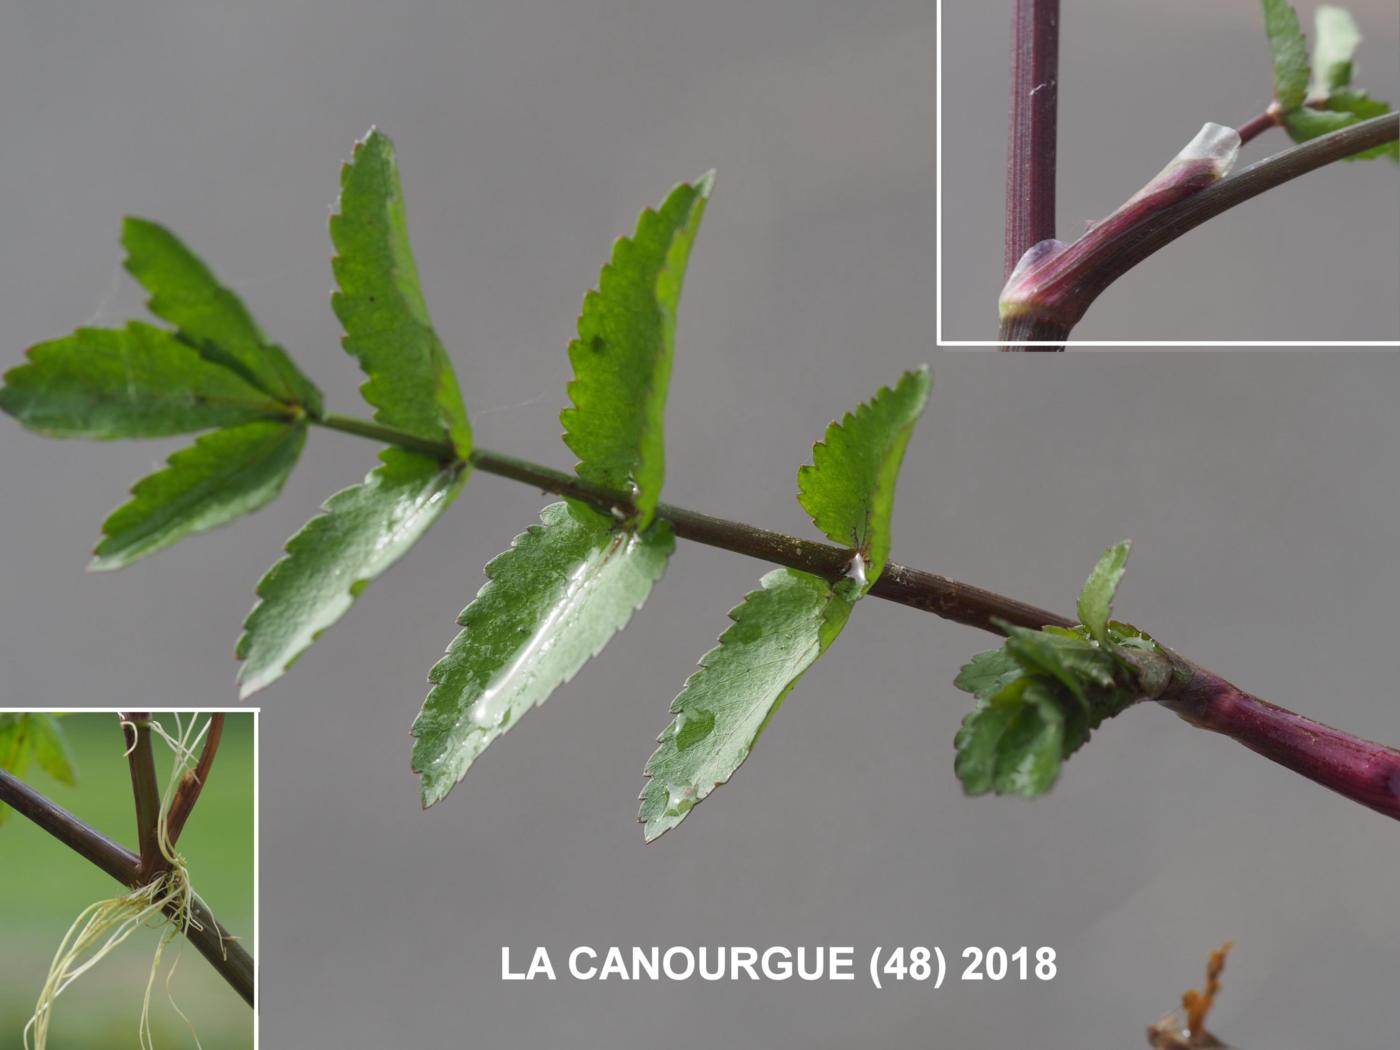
(37,737)
(1330,70)
(209,315)
(380,304)
(51,750)
(132,382)
(988,673)
(1096,598)
(1363,107)
(550,603)
(364,530)
(778,632)
(1344,108)
(1290,51)
(1014,746)
(1337,40)
(849,488)
(622,356)
(1041,695)
(223,475)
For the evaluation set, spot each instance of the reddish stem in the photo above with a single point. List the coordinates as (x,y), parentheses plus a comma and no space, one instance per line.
(1078,273)
(1053,286)
(1252,129)
(1270,118)
(192,783)
(1030,160)
(224,951)
(145,789)
(1358,769)
(949,599)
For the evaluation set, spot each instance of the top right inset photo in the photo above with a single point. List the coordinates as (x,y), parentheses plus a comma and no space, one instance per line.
(1196,174)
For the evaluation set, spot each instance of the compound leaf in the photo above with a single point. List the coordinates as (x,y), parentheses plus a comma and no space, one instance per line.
(849,488)
(223,475)
(622,356)
(1290,51)
(1096,598)
(550,603)
(381,306)
(132,382)
(209,315)
(1337,40)
(778,632)
(364,530)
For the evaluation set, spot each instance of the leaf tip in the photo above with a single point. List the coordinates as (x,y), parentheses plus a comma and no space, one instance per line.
(373,139)
(431,791)
(705,184)
(103,563)
(133,226)
(252,677)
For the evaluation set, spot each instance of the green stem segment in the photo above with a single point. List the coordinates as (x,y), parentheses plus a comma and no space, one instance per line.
(388,435)
(224,951)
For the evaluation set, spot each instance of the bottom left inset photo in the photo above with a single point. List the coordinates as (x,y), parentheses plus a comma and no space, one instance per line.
(128,878)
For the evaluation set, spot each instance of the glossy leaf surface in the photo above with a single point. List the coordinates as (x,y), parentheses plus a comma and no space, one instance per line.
(550,603)
(364,530)
(778,632)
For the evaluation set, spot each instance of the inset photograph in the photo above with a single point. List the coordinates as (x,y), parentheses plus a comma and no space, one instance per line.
(127,879)
(1271,130)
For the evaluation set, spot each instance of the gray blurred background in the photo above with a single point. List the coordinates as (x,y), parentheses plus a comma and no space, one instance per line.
(1315,259)
(1262,493)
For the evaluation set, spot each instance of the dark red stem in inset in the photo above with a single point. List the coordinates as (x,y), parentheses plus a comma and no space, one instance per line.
(1058,280)
(1270,118)
(192,783)
(1030,150)
(1076,275)
(223,950)
(1252,129)
(1360,770)
(145,789)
